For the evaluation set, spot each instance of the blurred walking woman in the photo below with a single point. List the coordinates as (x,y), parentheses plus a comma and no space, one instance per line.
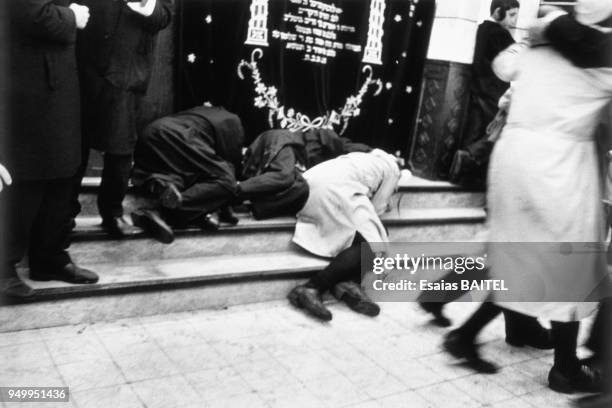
(545,188)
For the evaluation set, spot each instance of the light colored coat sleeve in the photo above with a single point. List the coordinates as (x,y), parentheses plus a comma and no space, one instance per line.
(505,65)
(387,187)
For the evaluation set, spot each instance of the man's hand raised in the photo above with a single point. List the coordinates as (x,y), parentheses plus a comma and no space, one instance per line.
(81,13)
(143,7)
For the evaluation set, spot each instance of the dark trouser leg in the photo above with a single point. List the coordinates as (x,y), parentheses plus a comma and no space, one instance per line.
(565,338)
(207,195)
(199,200)
(461,342)
(114,186)
(607,348)
(469,164)
(50,235)
(522,329)
(344,267)
(475,141)
(478,145)
(481,317)
(22,202)
(597,342)
(75,205)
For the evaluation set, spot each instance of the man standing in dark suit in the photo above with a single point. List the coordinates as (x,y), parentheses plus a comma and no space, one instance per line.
(470,162)
(115,56)
(42,148)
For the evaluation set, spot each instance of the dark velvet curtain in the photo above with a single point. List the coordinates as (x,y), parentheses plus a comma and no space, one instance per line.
(212,36)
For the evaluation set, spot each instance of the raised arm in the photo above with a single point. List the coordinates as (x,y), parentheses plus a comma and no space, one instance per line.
(156,14)
(584,46)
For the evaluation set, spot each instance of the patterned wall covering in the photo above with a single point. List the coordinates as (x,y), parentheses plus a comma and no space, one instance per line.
(441,118)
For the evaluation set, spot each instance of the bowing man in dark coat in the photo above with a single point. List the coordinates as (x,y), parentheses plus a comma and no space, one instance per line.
(115,56)
(42,148)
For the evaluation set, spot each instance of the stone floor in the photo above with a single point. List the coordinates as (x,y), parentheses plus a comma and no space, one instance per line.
(270,355)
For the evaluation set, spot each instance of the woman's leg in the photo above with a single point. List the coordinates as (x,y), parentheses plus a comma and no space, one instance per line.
(568,375)
(461,342)
(565,339)
(346,266)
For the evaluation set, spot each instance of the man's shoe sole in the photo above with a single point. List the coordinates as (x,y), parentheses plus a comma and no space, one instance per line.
(294,299)
(154,226)
(47,278)
(363,307)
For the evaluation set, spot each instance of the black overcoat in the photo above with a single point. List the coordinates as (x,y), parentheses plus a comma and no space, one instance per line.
(43,139)
(115,55)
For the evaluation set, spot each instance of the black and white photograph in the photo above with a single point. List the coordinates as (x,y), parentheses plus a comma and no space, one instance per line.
(306,203)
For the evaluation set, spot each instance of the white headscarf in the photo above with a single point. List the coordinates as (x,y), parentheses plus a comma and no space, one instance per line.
(591,12)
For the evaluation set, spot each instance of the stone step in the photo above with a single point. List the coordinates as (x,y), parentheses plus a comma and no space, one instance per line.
(156,286)
(413,192)
(253,261)
(147,275)
(250,236)
(160,287)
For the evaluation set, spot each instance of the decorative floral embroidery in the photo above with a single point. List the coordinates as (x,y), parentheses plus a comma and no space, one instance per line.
(296,121)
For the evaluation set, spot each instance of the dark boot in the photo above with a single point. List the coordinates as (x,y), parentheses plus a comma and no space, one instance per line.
(465,349)
(70,273)
(118,227)
(568,374)
(309,299)
(152,224)
(210,222)
(522,330)
(355,298)
(226,214)
(14,287)
(583,379)
(436,309)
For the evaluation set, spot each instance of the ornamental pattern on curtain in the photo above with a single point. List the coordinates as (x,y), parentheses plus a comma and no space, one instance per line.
(350,65)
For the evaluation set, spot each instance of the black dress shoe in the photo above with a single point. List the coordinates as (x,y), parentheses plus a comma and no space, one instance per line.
(171,197)
(461,348)
(118,227)
(14,287)
(152,224)
(309,299)
(210,222)
(226,214)
(69,273)
(583,379)
(355,298)
(436,309)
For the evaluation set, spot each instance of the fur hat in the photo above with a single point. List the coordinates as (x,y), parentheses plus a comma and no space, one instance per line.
(590,12)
